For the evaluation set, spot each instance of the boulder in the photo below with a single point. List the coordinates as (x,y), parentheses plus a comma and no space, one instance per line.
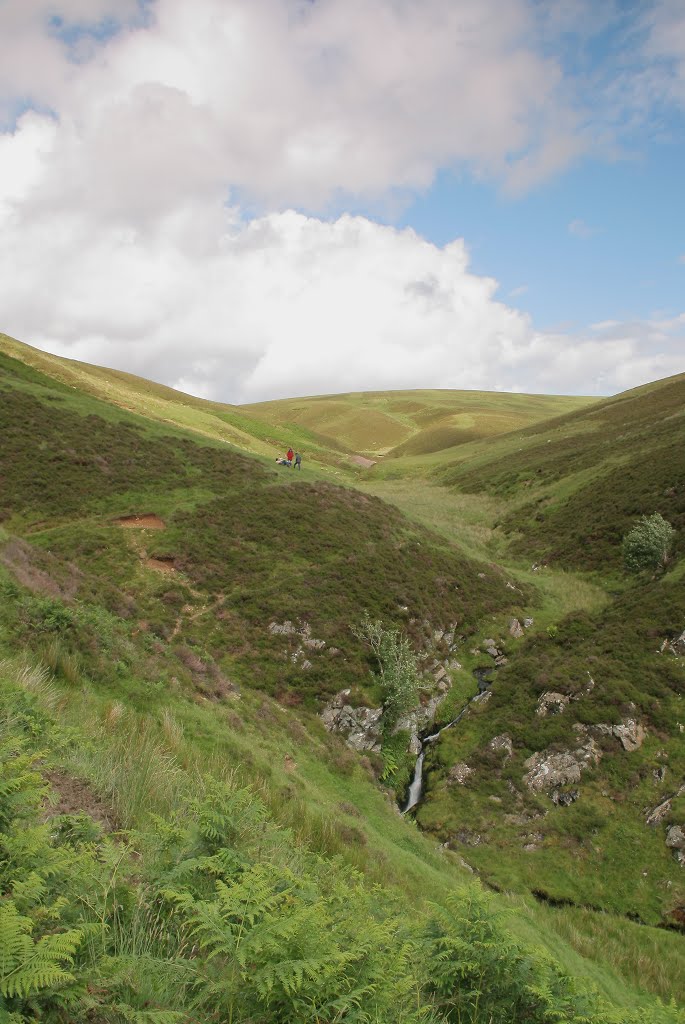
(660,812)
(287,629)
(527,623)
(551,703)
(675,837)
(547,771)
(515,628)
(361,727)
(460,773)
(629,732)
(564,798)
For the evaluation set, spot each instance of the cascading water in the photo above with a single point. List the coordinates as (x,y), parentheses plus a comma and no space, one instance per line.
(416,785)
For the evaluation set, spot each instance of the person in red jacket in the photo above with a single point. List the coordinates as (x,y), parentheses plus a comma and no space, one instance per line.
(289,455)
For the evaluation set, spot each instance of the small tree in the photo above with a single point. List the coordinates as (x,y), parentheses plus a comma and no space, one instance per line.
(648,544)
(398,672)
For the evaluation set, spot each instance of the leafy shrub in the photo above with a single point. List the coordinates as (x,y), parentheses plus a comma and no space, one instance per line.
(648,544)
(398,672)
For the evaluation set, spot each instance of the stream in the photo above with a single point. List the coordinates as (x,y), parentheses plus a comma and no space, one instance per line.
(416,785)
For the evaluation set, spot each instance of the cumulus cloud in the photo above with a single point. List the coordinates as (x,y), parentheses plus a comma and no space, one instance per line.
(287,304)
(287,101)
(138,134)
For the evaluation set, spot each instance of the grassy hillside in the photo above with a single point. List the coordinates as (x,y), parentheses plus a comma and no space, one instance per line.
(573,485)
(405,423)
(163,755)
(552,504)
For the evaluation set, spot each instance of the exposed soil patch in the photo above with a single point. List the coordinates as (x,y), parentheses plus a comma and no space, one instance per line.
(149,521)
(75,796)
(359,460)
(29,567)
(161,563)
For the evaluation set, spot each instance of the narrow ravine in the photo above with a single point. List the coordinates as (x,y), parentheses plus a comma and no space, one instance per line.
(415,790)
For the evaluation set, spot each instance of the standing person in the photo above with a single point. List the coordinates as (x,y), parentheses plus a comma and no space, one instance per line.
(289,455)
(298,461)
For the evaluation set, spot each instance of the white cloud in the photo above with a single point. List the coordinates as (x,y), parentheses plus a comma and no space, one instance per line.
(117,244)
(290,101)
(287,304)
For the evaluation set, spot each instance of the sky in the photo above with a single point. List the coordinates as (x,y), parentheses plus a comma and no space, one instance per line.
(258,199)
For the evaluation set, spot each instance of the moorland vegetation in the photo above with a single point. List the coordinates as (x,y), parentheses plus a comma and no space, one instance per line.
(182,840)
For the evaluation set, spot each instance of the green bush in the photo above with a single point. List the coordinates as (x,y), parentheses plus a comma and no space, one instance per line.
(648,544)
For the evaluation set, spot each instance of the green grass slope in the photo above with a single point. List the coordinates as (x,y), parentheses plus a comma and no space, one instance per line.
(244,546)
(400,423)
(575,484)
(561,495)
(141,673)
(228,424)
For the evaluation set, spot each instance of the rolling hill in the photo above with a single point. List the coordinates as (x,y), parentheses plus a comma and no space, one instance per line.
(175,613)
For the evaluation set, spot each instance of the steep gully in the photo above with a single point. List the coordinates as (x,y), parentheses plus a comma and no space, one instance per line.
(416,785)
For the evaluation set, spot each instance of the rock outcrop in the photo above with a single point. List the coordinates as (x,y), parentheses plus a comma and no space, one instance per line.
(460,773)
(361,727)
(675,840)
(551,703)
(548,771)
(630,733)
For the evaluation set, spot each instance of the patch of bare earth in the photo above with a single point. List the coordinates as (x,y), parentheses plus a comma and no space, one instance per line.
(73,796)
(148,521)
(161,564)
(359,460)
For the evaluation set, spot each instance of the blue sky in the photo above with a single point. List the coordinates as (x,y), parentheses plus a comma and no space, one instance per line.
(265,198)
(602,241)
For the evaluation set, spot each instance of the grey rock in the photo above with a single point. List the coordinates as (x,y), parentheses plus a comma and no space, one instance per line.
(660,812)
(550,771)
(440,674)
(287,629)
(629,732)
(361,727)
(527,623)
(564,798)
(493,652)
(500,660)
(460,773)
(515,628)
(551,703)
(488,643)
(314,645)
(675,837)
